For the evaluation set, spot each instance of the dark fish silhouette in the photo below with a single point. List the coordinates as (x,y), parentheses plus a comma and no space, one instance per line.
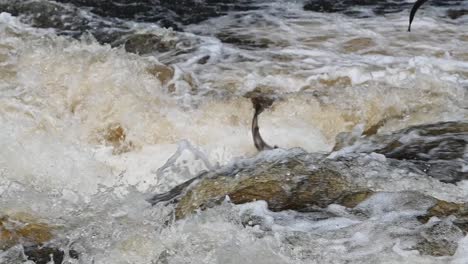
(260,104)
(415,8)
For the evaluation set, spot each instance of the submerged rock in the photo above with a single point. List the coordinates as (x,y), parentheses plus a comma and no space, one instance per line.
(456,13)
(43,255)
(115,135)
(14,230)
(244,41)
(441,239)
(162,72)
(34,236)
(147,43)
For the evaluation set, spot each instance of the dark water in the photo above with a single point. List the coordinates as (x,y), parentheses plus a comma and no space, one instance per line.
(108,21)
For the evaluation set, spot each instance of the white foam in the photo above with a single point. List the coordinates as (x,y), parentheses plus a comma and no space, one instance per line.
(58,96)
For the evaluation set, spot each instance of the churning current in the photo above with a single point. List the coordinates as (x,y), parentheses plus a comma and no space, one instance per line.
(126,132)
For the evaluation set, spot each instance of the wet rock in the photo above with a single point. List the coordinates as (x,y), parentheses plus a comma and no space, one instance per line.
(441,239)
(192,82)
(67,19)
(324,6)
(456,13)
(115,135)
(288,184)
(204,59)
(250,219)
(448,171)
(436,149)
(341,81)
(142,10)
(168,13)
(163,257)
(15,230)
(162,72)
(7,237)
(353,199)
(35,237)
(46,14)
(244,41)
(147,43)
(43,255)
(345,139)
(443,209)
(301,186)
(302,181)
(358,44)
(444,148)
(35,233)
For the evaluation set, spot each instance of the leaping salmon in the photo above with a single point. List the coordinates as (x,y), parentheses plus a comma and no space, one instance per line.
(415,8)
(260,104)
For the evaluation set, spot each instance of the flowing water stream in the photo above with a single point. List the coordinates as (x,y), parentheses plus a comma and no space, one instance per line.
(105,103)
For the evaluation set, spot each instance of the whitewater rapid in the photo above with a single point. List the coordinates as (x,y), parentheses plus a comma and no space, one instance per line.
(89,131)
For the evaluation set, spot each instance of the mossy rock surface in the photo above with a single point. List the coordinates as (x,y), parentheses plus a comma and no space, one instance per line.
(287,185)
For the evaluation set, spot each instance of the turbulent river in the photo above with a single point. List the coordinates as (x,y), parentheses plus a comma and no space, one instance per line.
(104,104)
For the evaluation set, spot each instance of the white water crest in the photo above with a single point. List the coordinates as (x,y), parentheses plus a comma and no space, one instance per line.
(88,131)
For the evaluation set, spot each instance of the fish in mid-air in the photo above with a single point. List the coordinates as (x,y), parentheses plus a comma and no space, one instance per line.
(260,104)
(415,8)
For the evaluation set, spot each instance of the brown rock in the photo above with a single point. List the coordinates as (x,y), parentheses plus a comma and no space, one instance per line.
(7,238)
(147,43)
(162,72)
(115,136)
(441,239)
(35,233)
(342,81)
(286,185)
(444,209)
(437,249)
(358,44)
(260,189)
(14,232)
(34,236)
(353,199)
(321,188)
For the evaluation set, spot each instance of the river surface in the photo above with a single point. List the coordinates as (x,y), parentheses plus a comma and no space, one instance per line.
(104,103)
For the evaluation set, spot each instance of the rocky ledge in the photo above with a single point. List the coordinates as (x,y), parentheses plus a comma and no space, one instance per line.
(33,239)
(307,182)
